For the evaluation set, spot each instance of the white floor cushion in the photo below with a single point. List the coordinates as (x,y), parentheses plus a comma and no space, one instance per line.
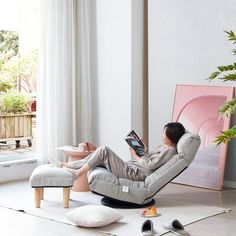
(93,216)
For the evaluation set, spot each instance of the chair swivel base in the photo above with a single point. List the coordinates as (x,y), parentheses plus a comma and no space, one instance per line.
(110,202)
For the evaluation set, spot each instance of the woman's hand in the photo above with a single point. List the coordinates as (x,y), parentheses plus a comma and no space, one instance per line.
(133,154)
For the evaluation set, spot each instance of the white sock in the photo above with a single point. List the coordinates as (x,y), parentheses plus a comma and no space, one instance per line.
(54,161)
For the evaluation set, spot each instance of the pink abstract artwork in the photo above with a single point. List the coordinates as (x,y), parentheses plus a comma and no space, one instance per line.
(196,107)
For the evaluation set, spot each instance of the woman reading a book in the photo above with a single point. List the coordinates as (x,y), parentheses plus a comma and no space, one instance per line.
(136,169)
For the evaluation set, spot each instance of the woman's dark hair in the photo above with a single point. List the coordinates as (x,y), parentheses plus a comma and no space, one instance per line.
(174,131)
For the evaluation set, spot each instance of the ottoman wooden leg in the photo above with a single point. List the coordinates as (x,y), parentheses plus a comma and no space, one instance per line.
(41,193)
(37,196)
(66,196)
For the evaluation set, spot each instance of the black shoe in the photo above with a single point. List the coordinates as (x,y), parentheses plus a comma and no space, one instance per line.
(176,227)
(147,228)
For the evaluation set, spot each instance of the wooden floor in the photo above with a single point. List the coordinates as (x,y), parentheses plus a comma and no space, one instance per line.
(16,223)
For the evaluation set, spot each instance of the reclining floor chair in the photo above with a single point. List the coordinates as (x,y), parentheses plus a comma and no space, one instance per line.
(125,193)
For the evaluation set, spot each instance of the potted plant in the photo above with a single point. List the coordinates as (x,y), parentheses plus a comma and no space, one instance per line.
(14,103)
(226,73)
(15,118)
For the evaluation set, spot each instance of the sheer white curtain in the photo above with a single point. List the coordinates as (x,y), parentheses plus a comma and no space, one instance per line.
(63,93)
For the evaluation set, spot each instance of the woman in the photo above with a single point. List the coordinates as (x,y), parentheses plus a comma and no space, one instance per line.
(139,167)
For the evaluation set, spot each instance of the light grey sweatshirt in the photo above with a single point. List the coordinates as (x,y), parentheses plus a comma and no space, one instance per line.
(151,161)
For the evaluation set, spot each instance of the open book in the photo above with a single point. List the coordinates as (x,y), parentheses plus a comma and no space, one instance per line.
(135,143)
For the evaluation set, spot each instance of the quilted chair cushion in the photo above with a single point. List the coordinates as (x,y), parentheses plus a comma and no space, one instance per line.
(48,176)
(105,183)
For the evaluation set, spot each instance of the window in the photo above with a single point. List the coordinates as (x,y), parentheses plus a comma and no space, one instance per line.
(18,72)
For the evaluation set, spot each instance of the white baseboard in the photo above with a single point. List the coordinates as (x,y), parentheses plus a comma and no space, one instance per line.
(229,184)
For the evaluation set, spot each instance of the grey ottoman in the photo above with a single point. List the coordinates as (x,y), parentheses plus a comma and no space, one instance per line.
(46,176)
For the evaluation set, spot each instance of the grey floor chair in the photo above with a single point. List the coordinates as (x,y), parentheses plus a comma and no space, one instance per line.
(125,193)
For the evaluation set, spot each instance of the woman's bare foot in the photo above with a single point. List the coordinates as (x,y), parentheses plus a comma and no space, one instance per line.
(79,172)
(52,160)
(72,171)
(57,163)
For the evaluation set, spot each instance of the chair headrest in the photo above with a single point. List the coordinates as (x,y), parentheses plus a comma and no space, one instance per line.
(189,142)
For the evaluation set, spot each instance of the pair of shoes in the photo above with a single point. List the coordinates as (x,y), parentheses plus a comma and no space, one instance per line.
(147,228)
(176,227)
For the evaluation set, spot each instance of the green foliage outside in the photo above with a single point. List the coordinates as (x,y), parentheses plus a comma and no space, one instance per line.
(17,74)
(226,73)
(5,86)
(14,102)
(9,42)
(21,71)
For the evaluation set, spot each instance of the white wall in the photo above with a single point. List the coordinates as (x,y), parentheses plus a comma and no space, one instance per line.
(112,103)
(116,71)
(186,43)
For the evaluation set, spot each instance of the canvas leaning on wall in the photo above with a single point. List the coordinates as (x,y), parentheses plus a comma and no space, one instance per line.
(196,107)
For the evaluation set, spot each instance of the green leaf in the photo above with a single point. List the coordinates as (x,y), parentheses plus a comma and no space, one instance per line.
(227,67)
(213,75)
(228,77)
(226,73)
(226,136)
(224,68)
(228,108)
(231,35)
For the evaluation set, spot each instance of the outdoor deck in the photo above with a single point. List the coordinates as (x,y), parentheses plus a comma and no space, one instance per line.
(9,152)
